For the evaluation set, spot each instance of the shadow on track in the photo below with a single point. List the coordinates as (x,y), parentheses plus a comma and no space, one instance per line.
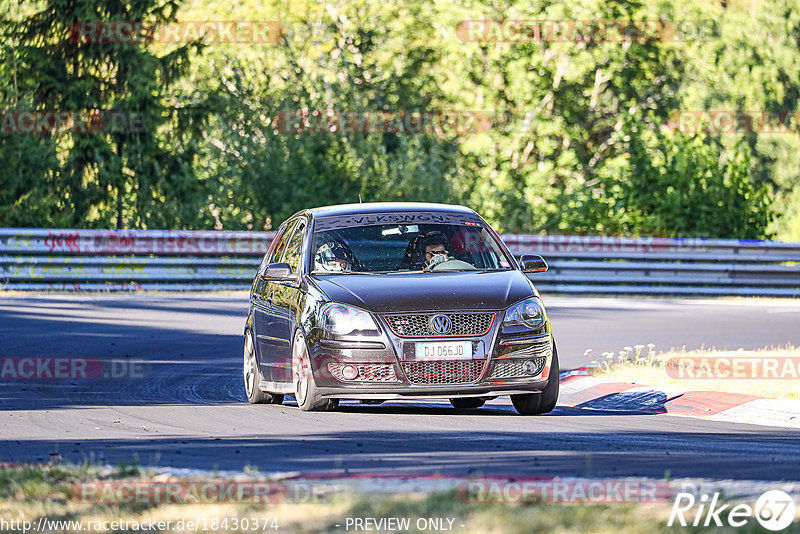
(191,354)
(586,454)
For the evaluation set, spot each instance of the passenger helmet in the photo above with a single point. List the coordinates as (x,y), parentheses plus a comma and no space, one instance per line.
(334,256)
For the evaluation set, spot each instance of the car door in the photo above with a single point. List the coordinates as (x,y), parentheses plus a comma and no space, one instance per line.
(261,300)
(285,298)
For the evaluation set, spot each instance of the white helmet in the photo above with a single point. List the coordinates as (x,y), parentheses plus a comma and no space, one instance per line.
(334,256)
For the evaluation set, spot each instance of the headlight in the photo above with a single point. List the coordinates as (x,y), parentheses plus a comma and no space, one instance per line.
(341,320)
(529,312)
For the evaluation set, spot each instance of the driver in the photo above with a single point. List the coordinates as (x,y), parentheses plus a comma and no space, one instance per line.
(335,257)
(433,248)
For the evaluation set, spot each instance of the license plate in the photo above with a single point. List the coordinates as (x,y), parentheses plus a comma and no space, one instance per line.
(444,350)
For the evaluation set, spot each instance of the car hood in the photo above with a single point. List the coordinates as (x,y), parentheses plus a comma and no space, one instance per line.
(404,292)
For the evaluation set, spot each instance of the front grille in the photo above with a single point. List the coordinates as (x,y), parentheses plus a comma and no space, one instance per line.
(515,368)
(367,372)
(418,325)
(444,372)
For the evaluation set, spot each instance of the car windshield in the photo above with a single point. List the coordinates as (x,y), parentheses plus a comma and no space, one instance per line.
(396,243)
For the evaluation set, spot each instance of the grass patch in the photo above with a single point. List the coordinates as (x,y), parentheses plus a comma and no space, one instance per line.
(33,492)
(701,370)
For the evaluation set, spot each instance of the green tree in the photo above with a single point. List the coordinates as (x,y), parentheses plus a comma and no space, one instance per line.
(342,59)
(676,185)
(540,171)
(579,144)
(136,172)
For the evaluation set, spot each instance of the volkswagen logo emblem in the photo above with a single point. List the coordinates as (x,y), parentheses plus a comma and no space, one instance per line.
(441,324)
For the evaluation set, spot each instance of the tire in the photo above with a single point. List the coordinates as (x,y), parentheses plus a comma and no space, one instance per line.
(544,402)
(252,376)
(468,403)
(305,388)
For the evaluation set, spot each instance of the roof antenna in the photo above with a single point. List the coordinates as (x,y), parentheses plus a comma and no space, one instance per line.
(359,199)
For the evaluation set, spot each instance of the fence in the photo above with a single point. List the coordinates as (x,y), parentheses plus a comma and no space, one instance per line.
(37,259)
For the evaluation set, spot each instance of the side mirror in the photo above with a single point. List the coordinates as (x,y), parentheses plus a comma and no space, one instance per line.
(278,272)
(531,263)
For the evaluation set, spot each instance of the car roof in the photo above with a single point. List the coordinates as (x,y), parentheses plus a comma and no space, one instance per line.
(385,207)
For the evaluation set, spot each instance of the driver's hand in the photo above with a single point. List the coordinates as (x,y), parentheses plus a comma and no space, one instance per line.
(437,257)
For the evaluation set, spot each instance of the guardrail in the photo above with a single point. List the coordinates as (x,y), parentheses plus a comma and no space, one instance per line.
(129,260)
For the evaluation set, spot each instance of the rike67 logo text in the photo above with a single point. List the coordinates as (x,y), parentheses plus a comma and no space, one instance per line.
(774,510)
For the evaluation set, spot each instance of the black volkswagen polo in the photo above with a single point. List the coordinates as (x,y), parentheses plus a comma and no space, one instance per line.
(397,300)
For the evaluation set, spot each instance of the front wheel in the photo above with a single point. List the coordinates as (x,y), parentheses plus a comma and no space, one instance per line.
(544,402)
(252,377)
(305,388)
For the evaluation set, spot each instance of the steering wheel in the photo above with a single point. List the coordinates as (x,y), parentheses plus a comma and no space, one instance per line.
(454,265)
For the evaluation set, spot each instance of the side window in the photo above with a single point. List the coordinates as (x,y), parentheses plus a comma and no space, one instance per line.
(294,248)
(264,263)
(277,254)
(278,245)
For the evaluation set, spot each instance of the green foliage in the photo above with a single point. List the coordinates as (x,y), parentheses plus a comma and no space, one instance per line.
(573,95)
(676,185)
(580,144)
(276,173)
(122,176)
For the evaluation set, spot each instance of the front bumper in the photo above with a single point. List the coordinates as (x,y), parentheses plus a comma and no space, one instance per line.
(428,393)
(387,368)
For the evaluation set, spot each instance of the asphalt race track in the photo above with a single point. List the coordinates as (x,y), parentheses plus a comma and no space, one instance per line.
(185,406)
